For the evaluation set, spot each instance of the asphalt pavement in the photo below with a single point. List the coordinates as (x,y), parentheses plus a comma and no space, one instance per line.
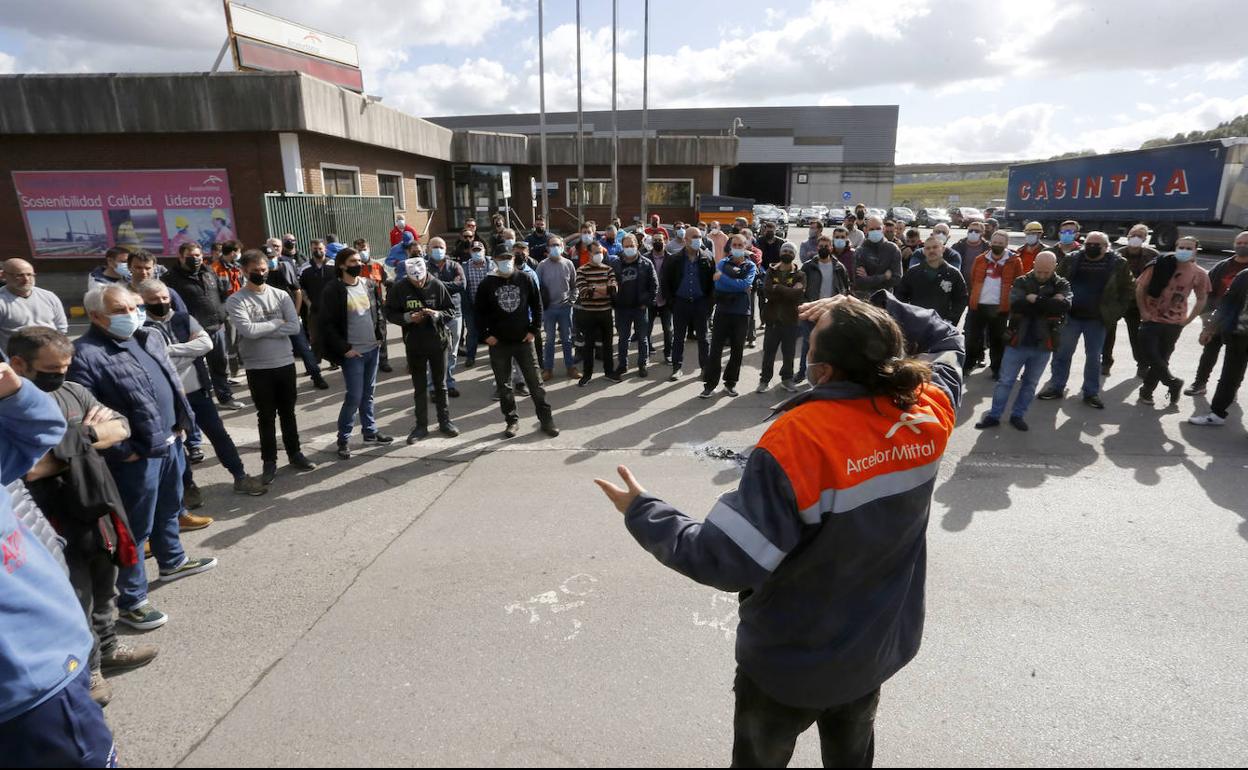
(476,601)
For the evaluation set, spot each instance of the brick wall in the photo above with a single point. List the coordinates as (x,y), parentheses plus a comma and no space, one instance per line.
(315,149)
(252,160)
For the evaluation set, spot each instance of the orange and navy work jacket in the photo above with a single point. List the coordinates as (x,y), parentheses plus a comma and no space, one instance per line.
(826,536)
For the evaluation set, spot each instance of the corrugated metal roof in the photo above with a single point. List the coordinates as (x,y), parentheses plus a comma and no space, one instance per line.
(869,133)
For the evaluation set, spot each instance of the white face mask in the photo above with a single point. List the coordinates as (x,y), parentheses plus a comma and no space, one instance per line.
(1135,241)
(596,258)
(973,237)
(1032,239)
(942,238)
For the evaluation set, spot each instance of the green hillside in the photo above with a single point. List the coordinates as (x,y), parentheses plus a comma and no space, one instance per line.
(972,192)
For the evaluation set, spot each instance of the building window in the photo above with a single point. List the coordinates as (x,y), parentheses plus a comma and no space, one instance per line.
(391,184)
(340,181)
(597,192)
(425,198)
(669,192)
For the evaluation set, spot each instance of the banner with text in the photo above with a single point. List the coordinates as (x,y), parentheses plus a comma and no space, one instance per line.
(84,213)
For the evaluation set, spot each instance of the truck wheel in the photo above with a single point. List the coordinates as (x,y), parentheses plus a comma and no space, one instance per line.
(1166,236)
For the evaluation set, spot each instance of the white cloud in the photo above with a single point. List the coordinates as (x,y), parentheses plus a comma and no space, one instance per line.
(7,64)
(1226,70)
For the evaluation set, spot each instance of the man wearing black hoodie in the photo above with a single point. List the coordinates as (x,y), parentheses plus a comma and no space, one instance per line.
(637,286)
(422,306)
(509,314)
(200,288)
(935,284)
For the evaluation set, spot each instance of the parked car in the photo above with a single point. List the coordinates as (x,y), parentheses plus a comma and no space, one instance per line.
(873,212)
(961,216)
(764,213)
(836,216)
(931,217)
(809,214)
(901,215)
(794,212)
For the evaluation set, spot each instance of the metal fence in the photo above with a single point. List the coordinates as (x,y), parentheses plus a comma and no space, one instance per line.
(346,216)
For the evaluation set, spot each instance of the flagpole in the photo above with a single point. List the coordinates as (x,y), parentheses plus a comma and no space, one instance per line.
(541,80)
(580,128)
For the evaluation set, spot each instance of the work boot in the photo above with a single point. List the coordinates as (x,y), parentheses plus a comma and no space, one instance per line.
(418,433)
(447,428)
(101,690)
(301,462)
(574,373)
(189,522)
(513,428)
(124,656)
(547,375)
(319,382)
(192,497)
(249,485)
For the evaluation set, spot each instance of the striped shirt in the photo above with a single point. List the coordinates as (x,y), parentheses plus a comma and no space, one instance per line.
(601,279)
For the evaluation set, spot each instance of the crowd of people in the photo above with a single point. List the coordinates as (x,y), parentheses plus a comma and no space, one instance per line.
(137,394)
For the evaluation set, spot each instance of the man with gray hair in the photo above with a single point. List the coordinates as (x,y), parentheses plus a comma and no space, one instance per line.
(877,262)
(23,304)
(1103,289)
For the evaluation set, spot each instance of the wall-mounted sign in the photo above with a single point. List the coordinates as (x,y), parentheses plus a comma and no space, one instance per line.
(803,178)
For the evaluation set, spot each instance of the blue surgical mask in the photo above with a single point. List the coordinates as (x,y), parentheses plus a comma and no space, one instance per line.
(838,243)
(1033,239)
(478,257)
(554,251)
(1067,236)
(680,233)
(272,263)
(364,254)
(738,253)
(875,236)
(438,254)
(1184,255)
(505,266)
(124,325)
(630,252)
(695,243)
(973,237)
(509,243)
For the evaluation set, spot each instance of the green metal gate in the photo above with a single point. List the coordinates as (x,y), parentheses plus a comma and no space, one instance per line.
(346,216)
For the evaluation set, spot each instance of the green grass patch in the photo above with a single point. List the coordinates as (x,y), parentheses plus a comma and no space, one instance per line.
(972,192)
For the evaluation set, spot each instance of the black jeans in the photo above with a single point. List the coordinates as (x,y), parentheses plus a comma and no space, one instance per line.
(730,329)
(209,421)
(782,336)
(663,314)
(1132,319)
(765,731)
(303,351)
(417,363)
(524,355)
(1233,368)
(273,390)
(219,366)
(986,320)
(690,315)
(1157,341)
(94,578)
(595,327)
(1209,359)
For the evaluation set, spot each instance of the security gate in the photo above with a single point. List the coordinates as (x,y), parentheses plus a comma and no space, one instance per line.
(347,216)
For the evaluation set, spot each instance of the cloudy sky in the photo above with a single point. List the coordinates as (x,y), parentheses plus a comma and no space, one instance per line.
(975,79)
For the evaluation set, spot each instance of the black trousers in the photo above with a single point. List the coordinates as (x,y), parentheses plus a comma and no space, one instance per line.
(765,731)
(1158,341)
(595,327)
(1209,359)
(729,330)
(522,354)
(779,336)
(986,321)
(1233,368)
(274,392)
(690,316)
(1132,320)
(435,362)
(94,578)
(663,315)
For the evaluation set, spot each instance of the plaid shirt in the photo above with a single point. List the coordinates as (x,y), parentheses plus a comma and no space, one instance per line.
(475,274)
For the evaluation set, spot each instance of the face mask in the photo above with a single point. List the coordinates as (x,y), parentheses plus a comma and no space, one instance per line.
(364,255)
(695,243)
(1135,241)
(478,257)
(973,237)
(439,253)
(48,382)
(680,233)
(586,238)
(158,309)
(554,251)
(630,252)
(354,270)
(318,255)
(942,238)
(400,224)
(289,245)
(258,279)
(272,264)
(786,258)
(875,236)
(1184,255)
(1067,237)
(825,252)
(124,325)
(769,236)
(539,229)
(505,266)
(194,263)
(596,258)
(998,249)
(509,243)
(658,245)
(1241,251)
(1033,239)
(838,243)
(1094,250)
(738,254)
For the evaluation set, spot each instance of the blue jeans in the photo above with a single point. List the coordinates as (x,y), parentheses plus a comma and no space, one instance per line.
(628,320)
(66,730)
(804,328)
(360,376)
(299,344)
(151,490)
(209,421)
(1093,334)
(1031,363)
(219,366)
(557,320)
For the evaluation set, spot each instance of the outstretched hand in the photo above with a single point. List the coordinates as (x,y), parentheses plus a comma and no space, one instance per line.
(621,498)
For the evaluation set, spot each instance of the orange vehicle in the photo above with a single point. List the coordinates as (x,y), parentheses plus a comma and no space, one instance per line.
(725,209)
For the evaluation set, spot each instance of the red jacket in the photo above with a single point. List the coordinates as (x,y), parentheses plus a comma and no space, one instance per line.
(396,234)
(1013,268)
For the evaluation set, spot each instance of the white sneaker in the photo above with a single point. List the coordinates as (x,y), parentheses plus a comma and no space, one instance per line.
(1207,419)
(762,388)
(789,386)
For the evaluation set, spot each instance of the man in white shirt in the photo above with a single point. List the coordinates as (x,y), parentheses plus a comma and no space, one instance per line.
(23,304)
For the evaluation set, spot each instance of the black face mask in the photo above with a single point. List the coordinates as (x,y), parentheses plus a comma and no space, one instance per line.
(1094,250)
(48,382)
(999,250)
(194,263)
(1241,251)
(318,255)
(825,252)
(354,271)
(786,258)
(157,309)
(769,236)
(658,245)
(258,279)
